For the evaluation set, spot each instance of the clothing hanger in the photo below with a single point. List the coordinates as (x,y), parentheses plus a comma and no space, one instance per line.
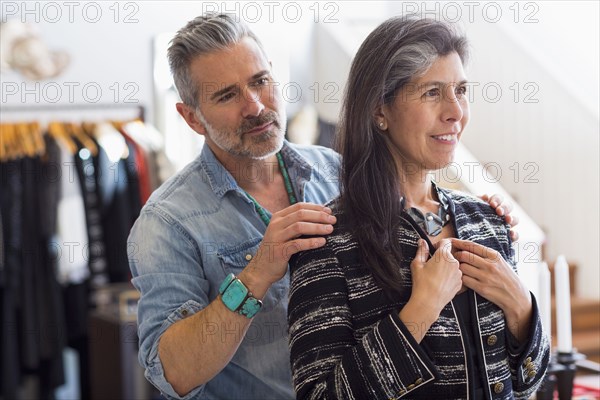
(38,138)
(6,133)
(57,131)
(77,131)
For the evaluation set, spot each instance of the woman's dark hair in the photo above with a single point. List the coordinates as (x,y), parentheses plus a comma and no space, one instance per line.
(395,53)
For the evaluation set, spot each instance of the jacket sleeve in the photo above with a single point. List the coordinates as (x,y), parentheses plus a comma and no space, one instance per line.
(330,359)
(529,367)
(528,362)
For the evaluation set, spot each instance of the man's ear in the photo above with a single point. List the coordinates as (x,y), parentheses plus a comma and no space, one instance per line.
(189,114)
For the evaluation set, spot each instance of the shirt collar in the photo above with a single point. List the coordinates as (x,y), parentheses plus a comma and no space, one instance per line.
(221,181)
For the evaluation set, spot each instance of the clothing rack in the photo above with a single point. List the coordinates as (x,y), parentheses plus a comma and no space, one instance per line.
(89,112)
(66,306)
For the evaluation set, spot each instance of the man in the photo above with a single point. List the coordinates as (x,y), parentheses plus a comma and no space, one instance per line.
(243,207)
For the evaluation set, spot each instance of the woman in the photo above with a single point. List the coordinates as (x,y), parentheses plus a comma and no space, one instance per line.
(415,294)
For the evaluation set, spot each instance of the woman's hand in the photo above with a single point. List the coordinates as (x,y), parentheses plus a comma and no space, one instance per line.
(435,282)
(503,209)
(486,272)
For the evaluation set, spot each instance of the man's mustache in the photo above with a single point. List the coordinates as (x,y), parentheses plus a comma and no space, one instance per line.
(264,118)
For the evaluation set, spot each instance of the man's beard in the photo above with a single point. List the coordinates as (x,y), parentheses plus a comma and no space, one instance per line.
(257,147)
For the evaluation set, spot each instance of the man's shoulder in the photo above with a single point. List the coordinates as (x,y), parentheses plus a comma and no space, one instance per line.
(188,187)
(315,153)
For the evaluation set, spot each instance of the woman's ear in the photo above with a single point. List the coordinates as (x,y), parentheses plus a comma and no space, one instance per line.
(379,118)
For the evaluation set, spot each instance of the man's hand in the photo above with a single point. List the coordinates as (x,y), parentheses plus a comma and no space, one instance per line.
(503,209)
(283,239)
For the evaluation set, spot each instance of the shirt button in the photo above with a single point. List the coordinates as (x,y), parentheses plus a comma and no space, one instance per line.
(248,257)
(498,387)
(492,340)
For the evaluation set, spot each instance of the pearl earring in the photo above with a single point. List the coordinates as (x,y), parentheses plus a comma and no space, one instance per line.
(381,125)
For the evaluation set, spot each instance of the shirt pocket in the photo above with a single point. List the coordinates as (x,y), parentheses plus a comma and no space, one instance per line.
(234,260)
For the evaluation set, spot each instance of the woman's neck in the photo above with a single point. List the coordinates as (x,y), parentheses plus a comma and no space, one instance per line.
(417,191)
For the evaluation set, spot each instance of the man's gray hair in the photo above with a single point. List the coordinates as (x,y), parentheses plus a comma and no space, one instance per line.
(202,35)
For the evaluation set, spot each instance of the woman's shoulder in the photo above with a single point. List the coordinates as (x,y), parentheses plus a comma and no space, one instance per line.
(471,205)
(340,242)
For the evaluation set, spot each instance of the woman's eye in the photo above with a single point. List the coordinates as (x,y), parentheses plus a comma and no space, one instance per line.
(432,92)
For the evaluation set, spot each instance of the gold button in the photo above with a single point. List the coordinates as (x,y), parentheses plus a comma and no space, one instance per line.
(499,387)
(411,386)
(532,373)
(401,392)
(419,381)
(492,340)
(248,257)
(527,360)
(530,365)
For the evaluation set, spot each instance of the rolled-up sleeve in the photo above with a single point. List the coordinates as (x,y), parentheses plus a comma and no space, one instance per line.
(166,269)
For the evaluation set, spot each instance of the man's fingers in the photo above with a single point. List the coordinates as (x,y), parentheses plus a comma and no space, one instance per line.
(302,206)
(306,215)
(298,229)
(299,245)
(496,200)
(514,235)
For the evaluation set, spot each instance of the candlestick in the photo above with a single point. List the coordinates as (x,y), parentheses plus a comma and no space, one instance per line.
(563,305)
(545,300)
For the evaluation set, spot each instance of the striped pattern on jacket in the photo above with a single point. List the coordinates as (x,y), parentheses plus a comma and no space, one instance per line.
(347,341)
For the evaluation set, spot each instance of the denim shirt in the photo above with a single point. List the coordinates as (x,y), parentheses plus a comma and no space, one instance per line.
(197,228)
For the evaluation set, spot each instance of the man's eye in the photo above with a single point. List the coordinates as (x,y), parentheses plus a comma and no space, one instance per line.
(461,90)
(226,97)
(261,81)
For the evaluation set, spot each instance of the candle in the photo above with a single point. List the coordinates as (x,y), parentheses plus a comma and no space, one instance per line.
(563,305)
(545,300)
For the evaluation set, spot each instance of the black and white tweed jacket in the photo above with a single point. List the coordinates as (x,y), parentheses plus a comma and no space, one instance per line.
(347,341)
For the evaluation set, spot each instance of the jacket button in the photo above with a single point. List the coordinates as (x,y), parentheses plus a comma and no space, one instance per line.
(527,360)
(498,387)
(419,381)
(529,365)
(492,340)
(248,257)
(411,386)
(531,373)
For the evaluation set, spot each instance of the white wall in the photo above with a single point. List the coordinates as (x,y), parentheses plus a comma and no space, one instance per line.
(547,146)
(111,44)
